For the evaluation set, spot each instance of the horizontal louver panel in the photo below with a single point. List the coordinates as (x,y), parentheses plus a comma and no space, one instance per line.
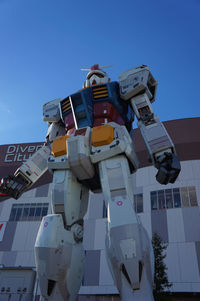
(65,105)
(100,92)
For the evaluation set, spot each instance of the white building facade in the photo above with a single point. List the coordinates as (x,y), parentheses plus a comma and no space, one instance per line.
(170,210)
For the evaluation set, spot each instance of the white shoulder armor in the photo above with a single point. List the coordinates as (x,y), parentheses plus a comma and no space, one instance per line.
(51,110)
(136,81)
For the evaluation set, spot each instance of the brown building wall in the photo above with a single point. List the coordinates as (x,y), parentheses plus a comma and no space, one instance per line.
(185,134)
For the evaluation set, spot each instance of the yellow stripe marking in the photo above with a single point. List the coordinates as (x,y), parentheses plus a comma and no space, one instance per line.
(100,88)
(100,96)
(100,92)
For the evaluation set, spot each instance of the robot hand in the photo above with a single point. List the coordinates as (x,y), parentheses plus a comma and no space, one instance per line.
(12,186)
(168,167)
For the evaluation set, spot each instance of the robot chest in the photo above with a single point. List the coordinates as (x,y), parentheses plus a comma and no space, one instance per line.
(92,107)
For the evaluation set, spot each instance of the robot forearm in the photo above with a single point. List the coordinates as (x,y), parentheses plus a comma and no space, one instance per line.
(159,144)
(35,167)
(26,175)
(156,138)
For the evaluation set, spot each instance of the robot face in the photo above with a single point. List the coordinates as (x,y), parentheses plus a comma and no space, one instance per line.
(96,77)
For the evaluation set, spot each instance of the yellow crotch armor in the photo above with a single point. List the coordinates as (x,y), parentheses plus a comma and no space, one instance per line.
(59,146)
(102,135)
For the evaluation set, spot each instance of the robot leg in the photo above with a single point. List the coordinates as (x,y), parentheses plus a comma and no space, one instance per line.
(59,251)
(128,247)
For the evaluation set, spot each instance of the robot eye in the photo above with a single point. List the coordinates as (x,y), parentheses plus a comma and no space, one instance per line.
(100,75)
(97,74)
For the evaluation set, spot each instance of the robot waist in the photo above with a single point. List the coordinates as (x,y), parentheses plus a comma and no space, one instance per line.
(100,135)
(89,146)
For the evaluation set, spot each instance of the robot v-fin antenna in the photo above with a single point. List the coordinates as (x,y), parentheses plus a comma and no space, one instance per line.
(95,67)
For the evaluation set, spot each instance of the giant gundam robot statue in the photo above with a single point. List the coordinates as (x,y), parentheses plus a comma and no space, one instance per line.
(89,148)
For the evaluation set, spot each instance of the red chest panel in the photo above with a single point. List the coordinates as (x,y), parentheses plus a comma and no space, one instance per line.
(105,112)
(69,122)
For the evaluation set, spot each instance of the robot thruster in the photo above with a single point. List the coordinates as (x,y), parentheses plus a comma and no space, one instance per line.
(88,148)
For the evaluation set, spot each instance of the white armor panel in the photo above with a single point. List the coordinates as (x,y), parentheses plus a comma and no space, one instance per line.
(59,259)
(156,138)
(69,197)
(78,156)
(36,166)
(122,144)
(51,110)
(136,80)
(139,102)
(55,130)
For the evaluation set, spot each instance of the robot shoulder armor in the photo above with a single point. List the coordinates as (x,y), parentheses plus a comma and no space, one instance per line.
(135,81)
(51,110)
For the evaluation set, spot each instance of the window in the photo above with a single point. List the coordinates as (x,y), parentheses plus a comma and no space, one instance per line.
(104,210)
(177,198)
(154,201)
(138,202)
(169,198)
(173,198)
(161,199)
(28,211)
(184,197)
(192,196)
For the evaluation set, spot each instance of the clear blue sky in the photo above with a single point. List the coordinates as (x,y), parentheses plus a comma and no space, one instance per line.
(44,43)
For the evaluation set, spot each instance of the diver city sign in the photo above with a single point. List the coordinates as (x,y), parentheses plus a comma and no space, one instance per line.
(20,152)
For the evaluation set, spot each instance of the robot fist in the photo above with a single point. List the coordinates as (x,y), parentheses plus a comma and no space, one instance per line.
(168,167)
(12,186)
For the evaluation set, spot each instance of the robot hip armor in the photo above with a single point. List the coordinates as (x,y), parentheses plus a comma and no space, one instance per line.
(89,146)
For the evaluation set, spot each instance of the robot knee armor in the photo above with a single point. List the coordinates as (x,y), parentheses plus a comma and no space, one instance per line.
(126,253)
(58,257)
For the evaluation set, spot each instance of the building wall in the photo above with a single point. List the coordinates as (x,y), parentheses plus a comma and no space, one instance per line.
(178,226)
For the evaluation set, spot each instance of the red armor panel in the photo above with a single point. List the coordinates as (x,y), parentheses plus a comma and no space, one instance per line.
(105,112)
(69,121)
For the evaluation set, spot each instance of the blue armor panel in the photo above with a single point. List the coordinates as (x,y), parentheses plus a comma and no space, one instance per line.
(81,104)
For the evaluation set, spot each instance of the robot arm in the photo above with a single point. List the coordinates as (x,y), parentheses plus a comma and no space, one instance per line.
(26,175)
(31,170)
(139,88)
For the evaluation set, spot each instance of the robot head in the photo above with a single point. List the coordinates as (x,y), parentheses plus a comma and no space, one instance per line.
(96,76)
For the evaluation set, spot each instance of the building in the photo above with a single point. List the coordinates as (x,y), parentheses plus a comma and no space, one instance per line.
(171,210)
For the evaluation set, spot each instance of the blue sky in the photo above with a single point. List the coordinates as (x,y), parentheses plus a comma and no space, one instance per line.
(45,43)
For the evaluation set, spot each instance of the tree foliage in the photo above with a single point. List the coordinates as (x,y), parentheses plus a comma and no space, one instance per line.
(160,270)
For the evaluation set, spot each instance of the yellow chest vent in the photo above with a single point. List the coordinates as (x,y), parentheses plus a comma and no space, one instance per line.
(100,92)
(65,105)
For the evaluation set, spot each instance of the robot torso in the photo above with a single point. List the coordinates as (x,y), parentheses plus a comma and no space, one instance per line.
(94,106)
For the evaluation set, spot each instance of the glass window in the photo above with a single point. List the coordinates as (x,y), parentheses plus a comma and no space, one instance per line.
(169,199)
(25,213)
(161,199)
(44,211)
(135,202)
(32,212)
(174,198)
(13,214)
(104,210)
(19,212)
(154,203)
(177,197)
(28,212)
(139,199)
(38,212)
(185,197)
(192,196)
